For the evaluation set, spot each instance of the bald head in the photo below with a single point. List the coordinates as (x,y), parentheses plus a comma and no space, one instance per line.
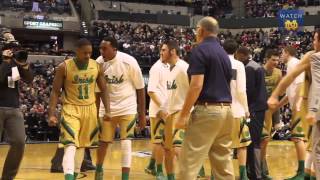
(206,27)
(209,24)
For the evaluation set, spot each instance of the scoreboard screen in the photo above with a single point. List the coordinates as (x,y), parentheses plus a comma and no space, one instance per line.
(42,24)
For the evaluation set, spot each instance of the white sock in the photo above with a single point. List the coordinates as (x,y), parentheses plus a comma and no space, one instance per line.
(126,153)
(68,159)
(78,159)
(308,161)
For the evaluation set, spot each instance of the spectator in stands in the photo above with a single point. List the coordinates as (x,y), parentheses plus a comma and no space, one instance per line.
(40,6)
(269,8)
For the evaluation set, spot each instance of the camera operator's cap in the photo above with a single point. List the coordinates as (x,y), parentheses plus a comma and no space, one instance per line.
(4,30)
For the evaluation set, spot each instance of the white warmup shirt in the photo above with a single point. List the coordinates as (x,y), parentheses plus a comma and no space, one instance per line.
(157,84)
(237,86)
(124,77)
(292,89)
(178,86)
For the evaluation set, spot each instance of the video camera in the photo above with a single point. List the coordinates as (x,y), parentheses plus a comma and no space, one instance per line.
(8,42)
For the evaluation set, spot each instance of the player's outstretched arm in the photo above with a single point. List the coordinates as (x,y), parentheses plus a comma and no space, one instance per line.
(55,93)
(103,95)
(314,105)
(288,79)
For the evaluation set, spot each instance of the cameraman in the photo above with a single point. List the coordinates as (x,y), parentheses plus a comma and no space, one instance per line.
(12,69)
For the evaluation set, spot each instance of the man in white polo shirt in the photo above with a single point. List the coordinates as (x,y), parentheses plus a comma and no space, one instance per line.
(157,90)
(125,85)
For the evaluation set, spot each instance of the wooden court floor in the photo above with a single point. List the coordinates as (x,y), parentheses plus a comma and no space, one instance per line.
(36,163)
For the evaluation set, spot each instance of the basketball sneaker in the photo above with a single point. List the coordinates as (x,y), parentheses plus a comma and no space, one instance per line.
(298,176)
(151,171)
(160,176)
(98,175)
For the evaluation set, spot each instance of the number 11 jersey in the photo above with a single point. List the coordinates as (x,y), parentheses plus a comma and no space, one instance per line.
(80,83)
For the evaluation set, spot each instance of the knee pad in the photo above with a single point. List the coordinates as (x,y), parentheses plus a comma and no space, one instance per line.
(68,159)
(308,161)
(126,153)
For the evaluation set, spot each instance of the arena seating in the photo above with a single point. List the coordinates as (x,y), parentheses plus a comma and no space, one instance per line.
(216,8)
(40,6)
(142,41)
(269,8)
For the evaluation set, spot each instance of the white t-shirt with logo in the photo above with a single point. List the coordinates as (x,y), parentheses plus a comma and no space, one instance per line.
(124,77)
(292,89)
(157,83)
(237,86)
(178,86)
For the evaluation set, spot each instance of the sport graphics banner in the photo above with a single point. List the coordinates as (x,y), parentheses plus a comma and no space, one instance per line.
(291,20)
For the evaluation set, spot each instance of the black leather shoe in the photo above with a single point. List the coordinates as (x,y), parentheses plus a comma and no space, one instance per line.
(56,170)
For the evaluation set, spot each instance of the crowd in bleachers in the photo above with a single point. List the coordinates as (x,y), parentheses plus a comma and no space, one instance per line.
(269,8)
(34,100)
(40,7)
(221,8)
(215,8)
(142,41)
(49,51)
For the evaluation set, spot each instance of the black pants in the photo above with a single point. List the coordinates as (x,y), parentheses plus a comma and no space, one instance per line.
(12,123)
(254,150)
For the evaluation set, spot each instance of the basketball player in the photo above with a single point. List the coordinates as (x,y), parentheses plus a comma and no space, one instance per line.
(304,65)
(157,90)
(77,78)
(313,109)
(127,97)
(56,161)
(177,86)
(240,135)
(273,76)
(297,122)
